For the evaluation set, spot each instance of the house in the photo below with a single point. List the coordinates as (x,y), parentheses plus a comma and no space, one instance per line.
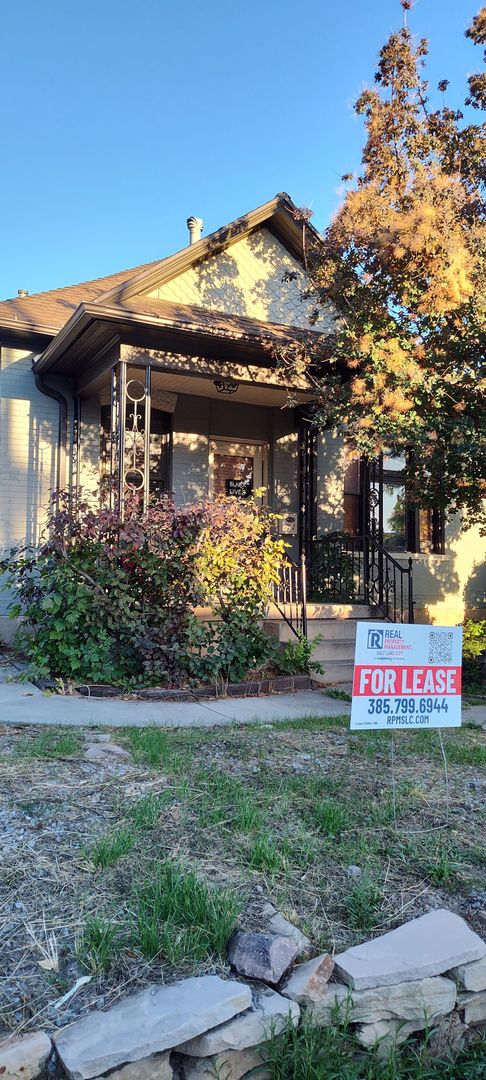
(165,378)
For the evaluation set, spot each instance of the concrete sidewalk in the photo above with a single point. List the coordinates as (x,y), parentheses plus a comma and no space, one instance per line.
(23,703)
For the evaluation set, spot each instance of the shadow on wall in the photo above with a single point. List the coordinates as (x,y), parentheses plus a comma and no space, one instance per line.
(190,474)
(248,280)
(28,441)
(452,587)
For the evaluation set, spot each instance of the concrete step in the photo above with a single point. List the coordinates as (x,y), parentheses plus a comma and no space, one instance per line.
(334,673)
(328,629)
(334,650)
(329,611)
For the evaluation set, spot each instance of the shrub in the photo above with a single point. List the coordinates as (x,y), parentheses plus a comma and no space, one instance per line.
(106,601)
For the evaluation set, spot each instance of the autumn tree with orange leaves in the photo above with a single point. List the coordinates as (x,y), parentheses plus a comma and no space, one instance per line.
(403,262)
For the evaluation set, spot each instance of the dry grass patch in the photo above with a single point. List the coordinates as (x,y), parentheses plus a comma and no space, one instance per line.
(140,870)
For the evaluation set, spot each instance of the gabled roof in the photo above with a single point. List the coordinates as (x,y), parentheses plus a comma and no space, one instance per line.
(46,313)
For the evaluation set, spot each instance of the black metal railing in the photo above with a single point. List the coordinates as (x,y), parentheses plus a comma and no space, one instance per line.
(388,583)
(337,571)
(290,595)
(359,570)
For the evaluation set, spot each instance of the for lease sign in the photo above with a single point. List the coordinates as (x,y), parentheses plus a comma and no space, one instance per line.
(406,676)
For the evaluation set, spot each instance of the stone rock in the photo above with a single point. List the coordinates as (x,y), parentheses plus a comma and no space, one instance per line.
(268,910)
(474,1006)
(424,947)
(384,1034)
(24,1058)
(280,925)
(231,1065)
(105,753)
(157,1067)
(268,1014)
(471,976)
(262,956)
(309,981)
(406,1001)
(447,1036)
(156,1019)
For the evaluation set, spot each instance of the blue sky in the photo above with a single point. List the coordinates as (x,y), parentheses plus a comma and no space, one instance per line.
(120,118)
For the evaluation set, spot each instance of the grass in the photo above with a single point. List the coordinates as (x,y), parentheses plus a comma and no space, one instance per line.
(108,849)
(330,817)
(182,918)
(211,823)
(362,903)
(51,743)
(145,813)
(97,944)
(265,854)
(332,1053)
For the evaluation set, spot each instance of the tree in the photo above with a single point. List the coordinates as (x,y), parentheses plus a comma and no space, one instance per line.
(403,262)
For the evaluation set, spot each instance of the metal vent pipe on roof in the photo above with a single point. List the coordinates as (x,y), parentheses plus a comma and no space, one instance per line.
(22,292)
(195,226)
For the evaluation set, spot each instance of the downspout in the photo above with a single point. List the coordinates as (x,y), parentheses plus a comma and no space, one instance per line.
(62,430)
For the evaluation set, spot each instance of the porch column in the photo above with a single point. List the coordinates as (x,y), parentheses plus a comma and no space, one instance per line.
(130,436)
(307,484)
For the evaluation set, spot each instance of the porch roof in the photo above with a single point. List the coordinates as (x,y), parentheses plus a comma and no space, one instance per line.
(88,337)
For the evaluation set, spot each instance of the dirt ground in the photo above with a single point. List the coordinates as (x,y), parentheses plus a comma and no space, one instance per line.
(300,814)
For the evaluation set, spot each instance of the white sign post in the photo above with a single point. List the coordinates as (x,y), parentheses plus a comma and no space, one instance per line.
(406,677)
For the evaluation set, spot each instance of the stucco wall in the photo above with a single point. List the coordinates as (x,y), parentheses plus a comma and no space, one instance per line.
(247,279)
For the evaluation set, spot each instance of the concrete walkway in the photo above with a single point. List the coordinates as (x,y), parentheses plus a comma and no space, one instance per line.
(23,703)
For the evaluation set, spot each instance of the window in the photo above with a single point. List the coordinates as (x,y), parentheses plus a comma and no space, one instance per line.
(401,526)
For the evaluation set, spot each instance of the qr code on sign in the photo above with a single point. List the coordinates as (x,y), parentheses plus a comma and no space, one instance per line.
(440,646)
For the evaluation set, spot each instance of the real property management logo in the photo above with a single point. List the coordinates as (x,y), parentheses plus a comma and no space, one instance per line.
(385,639)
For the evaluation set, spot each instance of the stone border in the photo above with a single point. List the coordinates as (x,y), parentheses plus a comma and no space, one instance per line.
(279,684)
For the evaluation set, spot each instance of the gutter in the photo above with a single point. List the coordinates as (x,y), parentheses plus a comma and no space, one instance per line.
(62,430)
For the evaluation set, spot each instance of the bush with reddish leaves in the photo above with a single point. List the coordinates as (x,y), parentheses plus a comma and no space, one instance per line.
(113,602)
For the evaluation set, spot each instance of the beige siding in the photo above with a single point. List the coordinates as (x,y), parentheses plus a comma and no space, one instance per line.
(28,451)
(330,483)
(247,279)
(90,444)
(447,588)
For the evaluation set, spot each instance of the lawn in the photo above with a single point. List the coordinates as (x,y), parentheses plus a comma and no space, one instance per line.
(140,870)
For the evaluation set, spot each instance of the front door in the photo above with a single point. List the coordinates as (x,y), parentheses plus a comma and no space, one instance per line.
(237,468)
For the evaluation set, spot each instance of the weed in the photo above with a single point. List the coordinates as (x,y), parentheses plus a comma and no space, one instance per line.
(362,902)
(51,743)
(181,917)
(330,817)
(329,1052)
(265,855)
(339,695)
(145,812)
(111,847)
(247,815)
(96,945)
(148,745)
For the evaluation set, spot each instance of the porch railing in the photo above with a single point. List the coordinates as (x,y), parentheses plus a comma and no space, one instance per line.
(290,595)
(359,570)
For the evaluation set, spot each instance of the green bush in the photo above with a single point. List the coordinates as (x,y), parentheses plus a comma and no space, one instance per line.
(473,638)
(112,602)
